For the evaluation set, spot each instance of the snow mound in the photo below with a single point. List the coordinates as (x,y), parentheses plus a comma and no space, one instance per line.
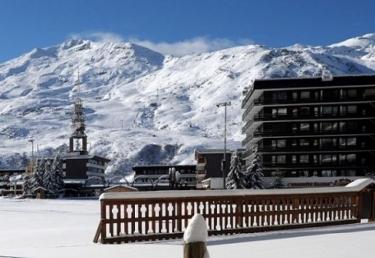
(196,231)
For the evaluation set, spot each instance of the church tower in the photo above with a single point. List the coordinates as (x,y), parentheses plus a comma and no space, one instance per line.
(78,139)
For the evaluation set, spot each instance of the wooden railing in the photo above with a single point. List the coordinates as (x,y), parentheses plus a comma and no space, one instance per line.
(142,216)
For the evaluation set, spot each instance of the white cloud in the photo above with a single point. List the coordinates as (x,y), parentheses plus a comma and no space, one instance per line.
(178,48)
(98,36)
(190,46)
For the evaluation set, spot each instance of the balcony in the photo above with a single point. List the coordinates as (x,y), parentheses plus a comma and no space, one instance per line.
(274,133)
(315,149)
(329,117)
(312,100)
(270,165)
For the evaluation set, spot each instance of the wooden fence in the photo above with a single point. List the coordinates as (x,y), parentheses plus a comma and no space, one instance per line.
(143,216)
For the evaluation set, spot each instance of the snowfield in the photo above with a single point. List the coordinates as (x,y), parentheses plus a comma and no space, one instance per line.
(65,228)
(142,106)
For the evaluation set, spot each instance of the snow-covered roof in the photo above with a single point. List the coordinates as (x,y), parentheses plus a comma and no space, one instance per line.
(120,186)
(361,183)
(357,186)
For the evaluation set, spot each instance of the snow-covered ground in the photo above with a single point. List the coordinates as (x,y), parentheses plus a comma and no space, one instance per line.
(65,228)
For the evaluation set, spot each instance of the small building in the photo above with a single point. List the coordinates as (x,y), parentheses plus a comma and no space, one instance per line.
(164,177)
(11,182)
(40,192)
(210,165)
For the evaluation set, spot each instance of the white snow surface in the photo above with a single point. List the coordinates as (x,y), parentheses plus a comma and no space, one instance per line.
(196,230)
(142,106)
(65,229)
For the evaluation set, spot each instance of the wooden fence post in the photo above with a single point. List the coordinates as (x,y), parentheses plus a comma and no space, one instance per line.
(195,238)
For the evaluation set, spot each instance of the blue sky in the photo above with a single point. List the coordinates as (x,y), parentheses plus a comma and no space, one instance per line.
(192,25)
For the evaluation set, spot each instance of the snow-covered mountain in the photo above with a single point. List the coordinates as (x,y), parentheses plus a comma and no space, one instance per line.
(143,107)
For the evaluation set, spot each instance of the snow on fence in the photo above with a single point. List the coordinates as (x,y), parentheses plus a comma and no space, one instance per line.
(144,216)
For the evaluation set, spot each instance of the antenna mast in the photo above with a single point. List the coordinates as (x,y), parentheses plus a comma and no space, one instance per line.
(78,139)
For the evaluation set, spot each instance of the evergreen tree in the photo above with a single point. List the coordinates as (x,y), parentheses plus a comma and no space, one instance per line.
(235,177)
(48,176)
(254,174)
(53,175)
(278,183)
(32,182)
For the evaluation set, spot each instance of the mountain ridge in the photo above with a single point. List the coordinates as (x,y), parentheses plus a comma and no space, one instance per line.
(142,106)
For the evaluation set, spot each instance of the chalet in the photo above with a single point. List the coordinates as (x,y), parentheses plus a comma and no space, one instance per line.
(164,177)
(11,181)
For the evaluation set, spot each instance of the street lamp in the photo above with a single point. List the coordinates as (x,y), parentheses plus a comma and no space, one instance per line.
(32,154)
(225,105)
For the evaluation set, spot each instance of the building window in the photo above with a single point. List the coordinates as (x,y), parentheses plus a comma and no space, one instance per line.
(304,159)
(329,110)
(294,128)
(282,111)
(316,95)
(352,109)
(279,96)
(352,93)
(294,159)
(295,96)
(280,159)
(295,112)
(304,143)
(351,158)
(305,94)
(342,126)
(351,141)
(316,111)
(328,142)
(279,112)
(278,143)
(326,173)
(304,126)
(305,111)
(329,126)
(328,158)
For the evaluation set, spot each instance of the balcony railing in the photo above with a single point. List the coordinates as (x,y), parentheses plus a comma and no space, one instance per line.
(270,101)
(267,133)
(325,148)
(270,117)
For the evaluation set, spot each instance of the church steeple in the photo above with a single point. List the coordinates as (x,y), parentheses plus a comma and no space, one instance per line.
(78,139)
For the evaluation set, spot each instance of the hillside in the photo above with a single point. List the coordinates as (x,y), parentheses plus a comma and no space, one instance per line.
(141,106)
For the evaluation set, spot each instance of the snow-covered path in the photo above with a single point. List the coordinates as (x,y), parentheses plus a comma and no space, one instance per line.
(65,228)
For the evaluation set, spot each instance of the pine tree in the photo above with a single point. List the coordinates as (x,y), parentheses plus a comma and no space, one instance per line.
(53,175)
(47,176)
(35,180)
(58,176)
(278,183)
(254,174)
(235,177)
